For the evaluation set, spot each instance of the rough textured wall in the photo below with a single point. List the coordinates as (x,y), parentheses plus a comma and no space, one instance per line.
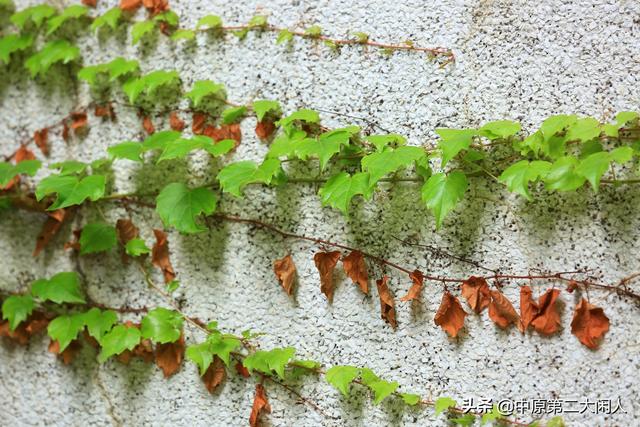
(514,60)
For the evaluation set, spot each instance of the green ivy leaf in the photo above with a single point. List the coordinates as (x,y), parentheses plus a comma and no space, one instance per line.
(159,140)
(593,167)
(99,322)
(304,115)
(110,18)
(442,192)
(258,21)
(222,346)
(121,67)
(555,124)
(235,176)
(562,175)
(263,107)
(453,141)
(284,36)
(36,14)
(444,403)
(382,141)
(179,148)
(382,389)
(234,114)
(465,420)
(69,167)
(622,154)
(141,29)
(384,162)
(12,43)
(162,325)
(201,355)
(410,398)
(273,360)
(51,53)
(624,117)
(341,377)
(211,22)
(499,129)
(157,79)
(584,130)
(178,206)
(326,145)
(119,339)
(71,190)
(203,89)
(494,415)
(65,328)
(183,35)
(72,12)
(136,247)
(518,176)
(61,288)
(169,17)
(9,171)
(129,150)
(338,191)
(16,309)
(557,421)
(313,31)
(97,237)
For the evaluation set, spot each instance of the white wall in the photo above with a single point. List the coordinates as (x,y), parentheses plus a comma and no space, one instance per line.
(515,60)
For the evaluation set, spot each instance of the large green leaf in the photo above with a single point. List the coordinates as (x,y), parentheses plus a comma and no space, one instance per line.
(119,339)
(338,191)
(235,176)
(442,192)
(453,141)
(71,190)
(162,325)
(16,309)
(65,329)
(518,176)
(178,206)
(341,377)
(61,288)
(382,163)
(97,237)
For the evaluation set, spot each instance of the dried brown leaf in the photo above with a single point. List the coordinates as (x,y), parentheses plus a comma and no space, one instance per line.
(169,356)
(198,123)
(589,324)
(241,370)
(90,3)
(265,129)
(501,310)
(260,405)
(69,353)
(41,138)
(176,122)
(215,374)
(147,125)
(50,228)
(78,121)
(130,5)
(387,305)
(326,263)
(414,291)
(356,269)
(105,110)
(547,321)
(231,131)
(450,315)
(528,308)
(160,256)
(285,271)
(126,231)
(18,335)
(476,291)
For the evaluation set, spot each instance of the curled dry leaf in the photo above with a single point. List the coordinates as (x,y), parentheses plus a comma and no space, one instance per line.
(326,263)
(589,324)
(160,256)
(501,310)
(547,321)
(126,230)
(21,154)
(450,315)
(51,227)
(156,6)
(69,353)
(198,123)
(78,121)
(528,308)
(41,138)
(176,122)
(169,356)
(356,269)
(147,125)
(265,129)
(387,306)
(260,405)
(572,286)
(215,374)
(105,110)
(285,271)
(231,131)
(241,370)
(414,291)
(65,131)
(75,243)
(35,323)
(90,3)
(130,5)
(476,291)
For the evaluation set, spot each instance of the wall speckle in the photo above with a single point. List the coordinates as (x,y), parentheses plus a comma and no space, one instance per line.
(515,60)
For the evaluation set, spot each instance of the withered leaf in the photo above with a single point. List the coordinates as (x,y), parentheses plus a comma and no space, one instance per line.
(36,323)
(231,131)
(589,324)
(75,243)
(65,131)
(241,370)
(260,405)
(51,227)
(160,256)
(501,310)
(105,110)
(41,138)
(264,129)
(19,334)
(147,125)
(176,122)
(144,350)
(130,5)
(450,315)
(78,121)
(326,263)
(156,6)
(547,321)
(126,231)
(23,153)
(387,306)
(198,123)
(215,374)
(414,291)
(528,308)
(356,269)
(169,356)
(90,3)
(285,271)
(69,353)
(476,291)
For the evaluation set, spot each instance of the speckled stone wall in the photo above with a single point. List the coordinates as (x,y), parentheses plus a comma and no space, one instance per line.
(515,60)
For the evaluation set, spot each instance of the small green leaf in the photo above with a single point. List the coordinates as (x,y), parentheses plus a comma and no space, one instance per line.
(326,145)
(232,115)
(12,43)
(121,67)
(136,247)
(162,325)
(16,309)
(382,163)
(211,22)
(160,140)
(263,107)
(267,361)
(72,12)
(61,288)
(133,88)
(410,398)
(624,117)
(169,17)
(65,329)
(494,415)
(518,176)
(313,31)
(304,115)
(382,141)
(51,53)
(284,36)
(584,130)
(341,377)
(593,167)
(453,141)
(71,190)
(201,355)
(97,237)
(183,35)
(222,346)
(119,339)
(235,176)
(178,206)
(99,322)
(129,150)
(557,421)
(444,403)
(555,124)
(562,175)
(203,89)
(36,14)
(69,167)
(258,21)
(9,171)
(442,192)
(465,420)
(110,18)
(382,389)
(622,154)
(141,29)
(172,286)
(338,191)
(499,129)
